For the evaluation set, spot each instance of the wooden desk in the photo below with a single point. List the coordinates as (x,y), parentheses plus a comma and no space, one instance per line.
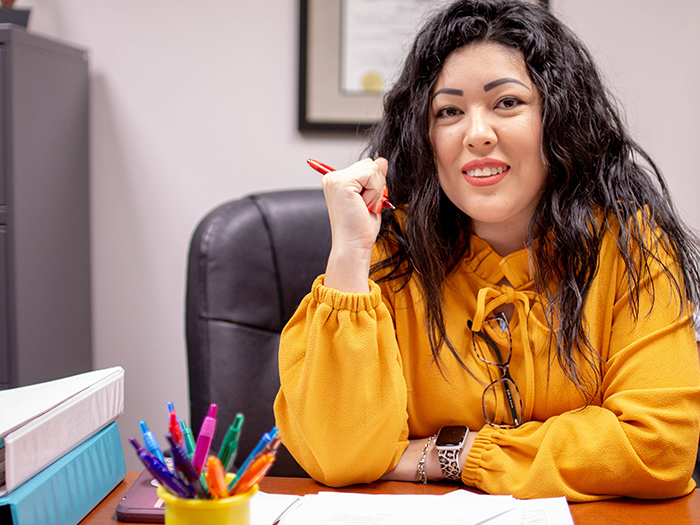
(681,511)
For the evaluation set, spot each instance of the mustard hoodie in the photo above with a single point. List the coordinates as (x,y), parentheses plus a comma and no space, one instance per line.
(358,381)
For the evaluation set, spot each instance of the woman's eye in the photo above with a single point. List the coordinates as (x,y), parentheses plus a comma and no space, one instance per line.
(447,112)
(509,103)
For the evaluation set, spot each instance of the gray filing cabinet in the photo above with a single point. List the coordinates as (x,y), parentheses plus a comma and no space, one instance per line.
(45,304)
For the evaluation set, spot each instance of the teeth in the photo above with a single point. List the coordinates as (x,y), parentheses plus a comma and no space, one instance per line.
(486,172)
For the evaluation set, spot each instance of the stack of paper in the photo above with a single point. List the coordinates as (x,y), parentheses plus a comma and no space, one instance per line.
(460,506)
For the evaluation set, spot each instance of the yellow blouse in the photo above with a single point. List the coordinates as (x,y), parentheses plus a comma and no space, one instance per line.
(358,380)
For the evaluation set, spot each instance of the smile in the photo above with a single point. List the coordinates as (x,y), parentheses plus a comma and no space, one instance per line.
(486,171)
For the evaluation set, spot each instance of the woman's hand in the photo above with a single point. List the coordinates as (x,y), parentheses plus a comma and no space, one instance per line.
(354,199)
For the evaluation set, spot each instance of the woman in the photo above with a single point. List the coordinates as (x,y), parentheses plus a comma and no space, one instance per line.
(529,301)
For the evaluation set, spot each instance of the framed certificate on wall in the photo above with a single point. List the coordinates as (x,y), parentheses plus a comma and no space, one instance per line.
(351,52)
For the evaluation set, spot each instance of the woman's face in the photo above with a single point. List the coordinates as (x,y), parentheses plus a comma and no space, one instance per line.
(485,129)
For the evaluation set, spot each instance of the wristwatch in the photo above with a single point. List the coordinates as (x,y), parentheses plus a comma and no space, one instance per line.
(449,443)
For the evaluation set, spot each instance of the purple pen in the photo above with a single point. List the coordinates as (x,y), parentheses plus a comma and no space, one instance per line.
(206,434)
(184,466)
(161,472)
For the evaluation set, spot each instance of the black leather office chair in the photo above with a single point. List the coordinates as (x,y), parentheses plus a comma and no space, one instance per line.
(251,261)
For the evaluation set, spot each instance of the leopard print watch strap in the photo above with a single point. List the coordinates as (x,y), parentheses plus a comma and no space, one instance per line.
(449,463)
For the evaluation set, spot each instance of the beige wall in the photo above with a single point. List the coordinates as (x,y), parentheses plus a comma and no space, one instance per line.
(650,52)
(193,103)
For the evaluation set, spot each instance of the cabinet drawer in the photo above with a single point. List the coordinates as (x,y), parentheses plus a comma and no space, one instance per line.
(4,65)
(4,346)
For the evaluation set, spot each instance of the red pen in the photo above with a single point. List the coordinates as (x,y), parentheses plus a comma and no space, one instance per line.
(325,168)
(175,430)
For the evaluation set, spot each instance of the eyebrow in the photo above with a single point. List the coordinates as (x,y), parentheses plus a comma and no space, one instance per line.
(487,87)
(448,91)
(505,80)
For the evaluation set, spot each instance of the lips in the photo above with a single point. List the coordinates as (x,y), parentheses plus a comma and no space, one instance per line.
(485,172)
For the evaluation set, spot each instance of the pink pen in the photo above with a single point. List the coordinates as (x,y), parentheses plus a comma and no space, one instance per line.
(206,434)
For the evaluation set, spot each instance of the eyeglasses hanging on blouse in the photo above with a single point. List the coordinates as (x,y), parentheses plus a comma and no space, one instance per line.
(501,400)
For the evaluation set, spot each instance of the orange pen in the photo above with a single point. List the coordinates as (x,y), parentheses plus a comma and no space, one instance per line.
(255,473)
(216,478)
(325,168)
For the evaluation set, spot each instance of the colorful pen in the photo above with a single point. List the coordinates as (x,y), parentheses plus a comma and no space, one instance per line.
(150,441)
(265,440)
(256,472)
(229,447)
(325,168)
(274,445)
(216,478)
(183,465)
(175,430)
(231,455)
(206,434)
(161,472)
(188,438)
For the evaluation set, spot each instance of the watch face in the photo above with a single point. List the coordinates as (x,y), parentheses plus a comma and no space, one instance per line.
(451,436)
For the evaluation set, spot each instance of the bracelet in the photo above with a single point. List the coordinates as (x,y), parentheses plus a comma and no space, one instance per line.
(421,475)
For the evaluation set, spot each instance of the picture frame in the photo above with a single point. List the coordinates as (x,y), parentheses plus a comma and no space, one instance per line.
(322,104)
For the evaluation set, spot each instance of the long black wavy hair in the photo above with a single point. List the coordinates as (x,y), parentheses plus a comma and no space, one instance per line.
(594,169)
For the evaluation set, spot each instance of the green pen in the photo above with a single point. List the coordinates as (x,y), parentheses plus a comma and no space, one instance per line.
(189,438)
(231,456)
(229,447)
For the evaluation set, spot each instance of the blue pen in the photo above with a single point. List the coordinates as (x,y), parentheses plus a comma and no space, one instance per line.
(151,442)
(183,465)
(161,472)
(264,441)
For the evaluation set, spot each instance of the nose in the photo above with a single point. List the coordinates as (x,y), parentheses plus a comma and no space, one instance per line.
(479,133)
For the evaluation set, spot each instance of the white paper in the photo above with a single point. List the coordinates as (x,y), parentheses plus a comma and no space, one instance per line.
(545,511)
(266,509)
(461,507)
(474,509)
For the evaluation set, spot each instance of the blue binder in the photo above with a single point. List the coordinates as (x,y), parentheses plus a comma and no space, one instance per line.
(68,489)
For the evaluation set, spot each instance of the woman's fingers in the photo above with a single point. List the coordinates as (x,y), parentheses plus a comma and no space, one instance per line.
(349,193)
(374,191)
(364,179)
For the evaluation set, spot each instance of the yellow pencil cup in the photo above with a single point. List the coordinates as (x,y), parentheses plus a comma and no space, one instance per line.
(224,511)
